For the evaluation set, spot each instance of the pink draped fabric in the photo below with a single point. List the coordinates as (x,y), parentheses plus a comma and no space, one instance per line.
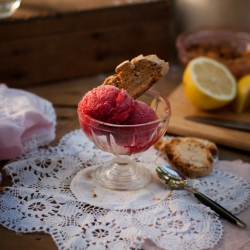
(26,121)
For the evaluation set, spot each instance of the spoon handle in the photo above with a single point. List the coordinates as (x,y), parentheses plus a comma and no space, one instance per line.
(216,207)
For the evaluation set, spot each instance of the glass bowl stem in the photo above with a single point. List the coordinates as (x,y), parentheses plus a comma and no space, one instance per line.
(122,174)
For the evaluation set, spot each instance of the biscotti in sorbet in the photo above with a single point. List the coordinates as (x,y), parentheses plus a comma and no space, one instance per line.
(138,75)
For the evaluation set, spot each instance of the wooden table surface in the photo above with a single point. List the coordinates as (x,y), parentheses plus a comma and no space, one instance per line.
(65,96)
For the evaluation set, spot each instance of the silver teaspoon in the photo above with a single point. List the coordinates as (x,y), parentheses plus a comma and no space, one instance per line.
(176,180)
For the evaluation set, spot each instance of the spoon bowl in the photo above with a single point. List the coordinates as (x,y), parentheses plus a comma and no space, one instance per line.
(171,177)
(176,180)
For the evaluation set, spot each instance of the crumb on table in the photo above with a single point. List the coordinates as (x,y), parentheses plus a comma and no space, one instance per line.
(156,199)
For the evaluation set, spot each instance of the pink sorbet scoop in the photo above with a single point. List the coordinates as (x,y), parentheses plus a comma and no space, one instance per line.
(110,104)
(107,104)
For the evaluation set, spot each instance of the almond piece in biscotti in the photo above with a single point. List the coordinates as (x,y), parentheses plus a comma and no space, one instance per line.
(208,144)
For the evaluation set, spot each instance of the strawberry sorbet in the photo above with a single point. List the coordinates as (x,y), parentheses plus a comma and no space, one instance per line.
(114,106)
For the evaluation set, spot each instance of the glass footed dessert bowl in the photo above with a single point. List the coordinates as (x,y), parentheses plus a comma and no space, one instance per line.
(123,141)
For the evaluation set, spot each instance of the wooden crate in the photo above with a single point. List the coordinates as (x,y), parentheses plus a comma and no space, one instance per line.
(49,45)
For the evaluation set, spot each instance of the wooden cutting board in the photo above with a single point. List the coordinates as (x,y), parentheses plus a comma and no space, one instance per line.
(181,107)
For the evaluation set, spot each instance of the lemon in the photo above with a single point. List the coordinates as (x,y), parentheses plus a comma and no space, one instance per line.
(242,100)
(208,84)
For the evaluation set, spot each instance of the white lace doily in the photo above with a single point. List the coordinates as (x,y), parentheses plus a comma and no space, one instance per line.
(54,192)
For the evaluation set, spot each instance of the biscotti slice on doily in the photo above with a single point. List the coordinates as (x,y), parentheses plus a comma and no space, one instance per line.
(191,156)
(138,75)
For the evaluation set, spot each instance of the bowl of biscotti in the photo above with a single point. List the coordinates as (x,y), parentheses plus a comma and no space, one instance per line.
(230,47)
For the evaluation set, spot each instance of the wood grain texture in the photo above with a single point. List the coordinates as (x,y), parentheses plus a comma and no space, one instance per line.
(181,107)
(35,9)
(50,47)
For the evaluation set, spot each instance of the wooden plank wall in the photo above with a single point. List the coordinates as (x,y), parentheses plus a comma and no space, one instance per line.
(67,45)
